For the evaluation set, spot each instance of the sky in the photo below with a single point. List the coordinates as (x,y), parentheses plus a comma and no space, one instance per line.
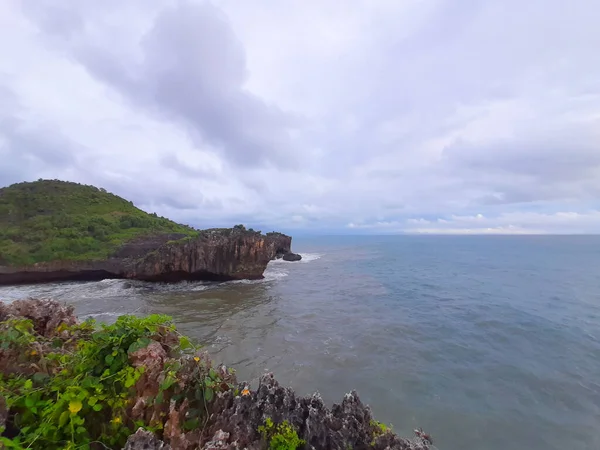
(328,116)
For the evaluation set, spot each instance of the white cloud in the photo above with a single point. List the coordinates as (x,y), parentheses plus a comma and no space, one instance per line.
(415,116)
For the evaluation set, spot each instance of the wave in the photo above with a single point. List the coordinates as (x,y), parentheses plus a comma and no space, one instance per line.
(308,257)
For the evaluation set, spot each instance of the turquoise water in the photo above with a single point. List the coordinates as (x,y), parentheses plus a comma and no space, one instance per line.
(486,342)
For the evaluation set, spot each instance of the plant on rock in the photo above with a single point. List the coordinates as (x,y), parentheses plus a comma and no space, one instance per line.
(75,386)
(280,437)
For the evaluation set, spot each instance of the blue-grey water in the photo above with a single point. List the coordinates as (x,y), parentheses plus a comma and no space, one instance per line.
(486,342)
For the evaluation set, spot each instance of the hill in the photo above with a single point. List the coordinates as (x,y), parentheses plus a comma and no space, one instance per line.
(50,220)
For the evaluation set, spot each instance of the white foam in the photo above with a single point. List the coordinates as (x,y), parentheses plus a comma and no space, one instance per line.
(272,274)
(308,257)
(102,314)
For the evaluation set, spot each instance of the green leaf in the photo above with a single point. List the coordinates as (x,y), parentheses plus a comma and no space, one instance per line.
(40,377)
(167,383)
(92,401)
(142,342)
(63,419)
(191,424)
(29,402)
(28,384)
(97,407)
(184,343)
(108,359)
(208,394)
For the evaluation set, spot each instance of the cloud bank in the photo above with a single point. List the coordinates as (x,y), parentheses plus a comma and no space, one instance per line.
(428,116)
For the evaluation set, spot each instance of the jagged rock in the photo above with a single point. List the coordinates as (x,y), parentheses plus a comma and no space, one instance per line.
(289,256)
(144,440)
(347,425)
(46,315)
(218,442)
(232,417)
(217,255)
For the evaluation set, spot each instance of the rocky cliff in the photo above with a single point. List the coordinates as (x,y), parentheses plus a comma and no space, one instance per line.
(217,254)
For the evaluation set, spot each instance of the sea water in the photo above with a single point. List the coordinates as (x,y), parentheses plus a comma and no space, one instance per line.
(486,342)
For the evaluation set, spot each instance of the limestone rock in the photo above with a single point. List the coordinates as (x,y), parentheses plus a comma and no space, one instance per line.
(289,256)
(216,255)
(144,440)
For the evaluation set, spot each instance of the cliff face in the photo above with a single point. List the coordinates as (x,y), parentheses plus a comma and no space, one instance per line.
(219,255)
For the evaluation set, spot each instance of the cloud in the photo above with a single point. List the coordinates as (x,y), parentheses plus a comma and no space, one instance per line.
(189,66)
(391,116)
(564,222)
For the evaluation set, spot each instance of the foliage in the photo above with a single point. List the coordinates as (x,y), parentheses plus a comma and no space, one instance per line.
(380,427)
(281,436)
(56,220)
(85,385)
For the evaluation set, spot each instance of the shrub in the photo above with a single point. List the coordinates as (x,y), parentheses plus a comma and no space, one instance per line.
(84,384)
(281,436)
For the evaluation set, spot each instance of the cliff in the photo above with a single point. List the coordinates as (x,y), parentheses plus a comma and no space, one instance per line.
(219,255)
(138,383)
(53,230)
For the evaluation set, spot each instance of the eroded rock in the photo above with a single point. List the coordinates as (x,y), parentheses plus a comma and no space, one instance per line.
(289,256)
(144,440)
(217,255)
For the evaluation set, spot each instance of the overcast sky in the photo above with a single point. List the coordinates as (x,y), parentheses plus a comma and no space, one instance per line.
(361,116)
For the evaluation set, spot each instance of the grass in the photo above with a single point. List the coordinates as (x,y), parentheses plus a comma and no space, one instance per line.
(51,220)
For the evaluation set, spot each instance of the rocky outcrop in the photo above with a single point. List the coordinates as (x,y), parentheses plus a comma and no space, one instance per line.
(289,256)
(230,419)
(216,255)
(235,420)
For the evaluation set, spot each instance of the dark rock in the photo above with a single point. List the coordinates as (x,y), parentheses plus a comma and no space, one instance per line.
(289,256)
(347,425)
(144,440)
(216,255)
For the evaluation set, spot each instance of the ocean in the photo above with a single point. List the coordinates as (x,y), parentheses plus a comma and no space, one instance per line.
(486,342)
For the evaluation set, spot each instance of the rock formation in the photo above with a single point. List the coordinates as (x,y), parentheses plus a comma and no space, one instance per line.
(289,256)
(217,255)
(230,419)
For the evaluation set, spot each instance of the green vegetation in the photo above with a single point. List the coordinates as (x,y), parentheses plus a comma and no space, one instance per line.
(281,436)
(55,220)
(85,382)
(381,428)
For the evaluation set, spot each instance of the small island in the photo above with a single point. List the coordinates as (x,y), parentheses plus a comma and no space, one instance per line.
(54,230)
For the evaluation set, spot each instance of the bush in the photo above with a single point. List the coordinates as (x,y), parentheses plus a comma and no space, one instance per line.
(281,436)
(86,382)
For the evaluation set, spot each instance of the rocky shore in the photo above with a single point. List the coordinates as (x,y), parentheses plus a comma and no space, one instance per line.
(138,384)
(215,255)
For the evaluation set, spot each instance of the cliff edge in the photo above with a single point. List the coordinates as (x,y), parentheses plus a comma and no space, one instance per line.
(57,231)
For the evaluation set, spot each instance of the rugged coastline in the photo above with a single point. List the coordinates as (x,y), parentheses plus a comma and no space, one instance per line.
(52,230)
(214,255)
(139,384)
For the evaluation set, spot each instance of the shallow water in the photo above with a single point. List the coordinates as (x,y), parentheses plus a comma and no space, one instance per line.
(485,342)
